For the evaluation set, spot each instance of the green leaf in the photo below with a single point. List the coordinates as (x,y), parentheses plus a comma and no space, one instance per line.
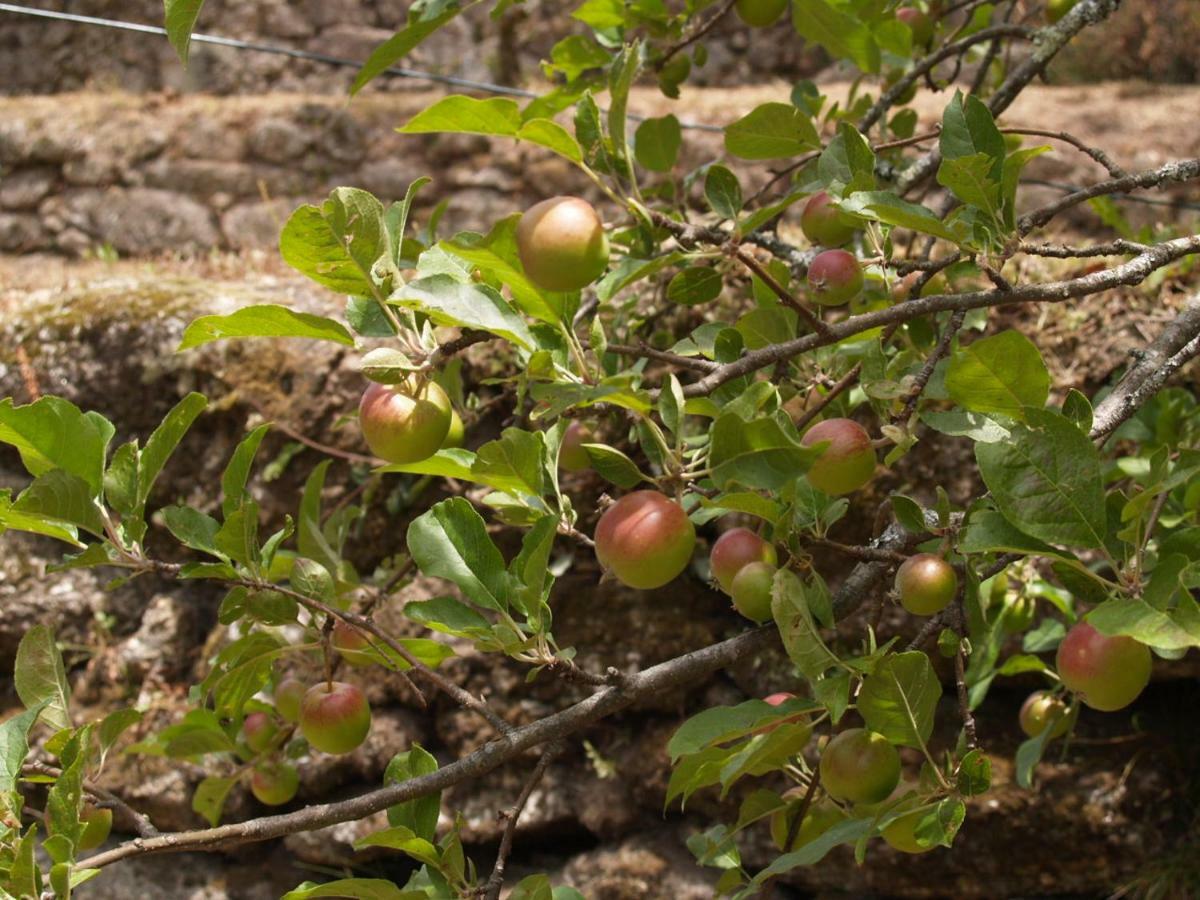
(1010,178)
(1029,754)
(790,606)
(121,479)
(614,466)
(656,143)
(847,164)
(814,851)
(343,244)
(771,131)
(267,320)
(237,538)
(886,207)
(40,677)
(14,745)
(971,180)
(193,528)
(756,454)
(1002,374)
(987,531)
(517,459)
(451,541)
(166,437)
(899,699)
(695,285)
(974,774)
(1142,622)
(723,724)
(968,129)
(35,523)
(63,497)
(723,192)
(180,19)
(448,301)
(423,20)
(449,616)
(54,434)
(420,816)
(209,798)
(495,116)
(622,73)
(65,797)
(354,889)
(1046,480)
(842,34)
(402,839)
(113,725)
(237,472)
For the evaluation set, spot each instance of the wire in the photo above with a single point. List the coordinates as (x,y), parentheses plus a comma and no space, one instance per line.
(236,44)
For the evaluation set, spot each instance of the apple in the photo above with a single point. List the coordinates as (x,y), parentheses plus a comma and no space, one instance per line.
(97,824)
(825,224)
(274,783)
(350,642)
(901,833)
(1037,711)
(926,584)
(288,694)
(919,23)
(821,816)
(645,539)
(571,455)
(455,434)
(404,423)
(1107,672)
(734,549)
(859,766)
(335,717)
(834,278)
(562,244)
(751,590)
(260,730)
(847,463)
(760,13)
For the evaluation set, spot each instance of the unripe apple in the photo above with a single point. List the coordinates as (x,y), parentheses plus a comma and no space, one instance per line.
(1037,711)
(825,224)
(834,278)
(1056,9)
(901,833)
(288,694)
(734,549)
(751,590)
(455,434)
(859,766)
(847,463)
(920,24)
(1107,672)
(571,455)
(274,783)
(335,718)
(350,643)
(645,539)
(926,584)
(97,824)
(821,816)
(260,730)
(562,244)
(760,13)
(404,424)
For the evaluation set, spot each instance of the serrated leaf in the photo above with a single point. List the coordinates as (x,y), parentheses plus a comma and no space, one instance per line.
(1001,374)
(451,541)
(886,207)
(40,677)
(843,34)
(208,800)
(180,19)
(422,21)
(267,320)
(899,699)
(237,471)
(343,244)
(494,116)
(771,131)
(54,434)
(420,816)
(723,192)
(449,301)
(798,628)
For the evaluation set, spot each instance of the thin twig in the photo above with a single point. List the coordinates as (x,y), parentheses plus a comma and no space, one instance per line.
(491,890)
(106,798)
(694,35)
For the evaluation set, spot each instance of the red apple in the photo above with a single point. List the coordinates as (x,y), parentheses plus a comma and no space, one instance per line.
(335,718)
(825,224)
(562,244)
(834,278)
(645,539)
(734,549)
(847,463)
(1107,672)
(274,783)
(404,423)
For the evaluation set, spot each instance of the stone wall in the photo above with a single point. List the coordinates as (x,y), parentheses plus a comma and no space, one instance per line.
(37,56)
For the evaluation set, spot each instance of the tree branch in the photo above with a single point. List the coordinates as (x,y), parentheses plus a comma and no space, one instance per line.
(491,891)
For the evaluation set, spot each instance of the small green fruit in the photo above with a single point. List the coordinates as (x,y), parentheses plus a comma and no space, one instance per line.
(455,434)
(1038,710)
(821,816)
(403,423)
(859,766)
(260,730)
(901,833)
(751,590)
(572,457)
(847,463)
(926,584)
(735,549)
(562,244)
(288,694)
(274,783)
(760,13)
(335,719)
(825,224)
(97,824)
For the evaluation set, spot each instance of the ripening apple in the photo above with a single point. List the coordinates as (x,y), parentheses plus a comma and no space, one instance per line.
(760,13)
(847,463)
(834,278)
(351,643)
(751,590)
(335,717)
(260,730)
(859,766)
(571,455)
(825,224)
(821,816)
(456,433)
(1037,711)
(274,783)
(645,539)
(926,584)
(1056,9)
(97,824)
(734,549)
(1107,672)
(919,23)
(288,694)
(562,244)
(404,423)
